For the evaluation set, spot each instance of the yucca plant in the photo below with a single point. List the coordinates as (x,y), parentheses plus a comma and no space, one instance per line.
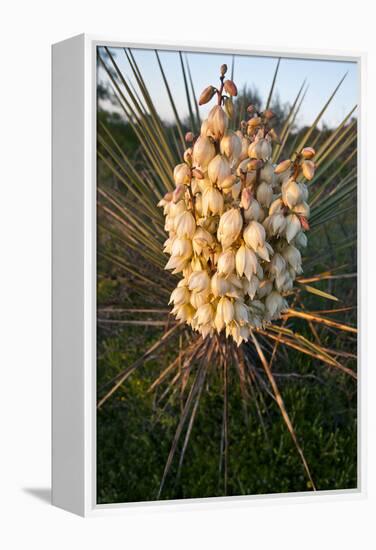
(235,196)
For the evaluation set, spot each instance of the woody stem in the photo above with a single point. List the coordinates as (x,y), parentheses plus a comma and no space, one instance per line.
(219,92)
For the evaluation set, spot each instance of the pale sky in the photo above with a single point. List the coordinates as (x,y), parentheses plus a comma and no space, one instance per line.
(254,71)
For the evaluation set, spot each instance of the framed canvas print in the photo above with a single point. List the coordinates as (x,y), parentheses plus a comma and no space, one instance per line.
(206,245)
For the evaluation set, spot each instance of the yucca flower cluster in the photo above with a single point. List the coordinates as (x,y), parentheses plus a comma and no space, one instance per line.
(236,222)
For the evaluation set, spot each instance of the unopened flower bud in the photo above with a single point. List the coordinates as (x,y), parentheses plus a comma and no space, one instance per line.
(178,193)
(223,69)
(254,122)
(189,137)
(253,164)
(282,166)
(196,173)
(304,223)
(308,169)
(206,95)
(308,153)
(246,198)
(230,88)
(250,109)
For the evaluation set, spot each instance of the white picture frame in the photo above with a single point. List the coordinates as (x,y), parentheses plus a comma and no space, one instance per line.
(74,279)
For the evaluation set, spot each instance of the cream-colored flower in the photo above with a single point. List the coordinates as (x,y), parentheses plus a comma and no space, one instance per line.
(199,281)
(293,226)
(219,169)
(231,146)
(226,262)
(212,201)
(291,193)
(254,235)
(185,225)
(241,313)
(205,314)
(264,194)
(182,174)
(179,296)
(203,152)
(275,304)
(246,262)
(217,122)
(229,228)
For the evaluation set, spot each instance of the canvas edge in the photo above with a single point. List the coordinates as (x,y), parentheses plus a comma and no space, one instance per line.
(68,383)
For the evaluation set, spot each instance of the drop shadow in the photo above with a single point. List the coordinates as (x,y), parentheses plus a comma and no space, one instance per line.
(41,493)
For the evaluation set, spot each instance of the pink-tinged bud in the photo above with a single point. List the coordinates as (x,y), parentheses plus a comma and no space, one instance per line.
(254,164)
(230,88)
(206,95)
(223,69)
(250,109)
(178,193)
(308,153)
(246,198)
(308,169)
(196,173)
(304,223)
(282,166)
(189,137)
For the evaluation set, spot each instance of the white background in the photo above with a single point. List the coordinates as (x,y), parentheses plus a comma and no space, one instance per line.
(27,30)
